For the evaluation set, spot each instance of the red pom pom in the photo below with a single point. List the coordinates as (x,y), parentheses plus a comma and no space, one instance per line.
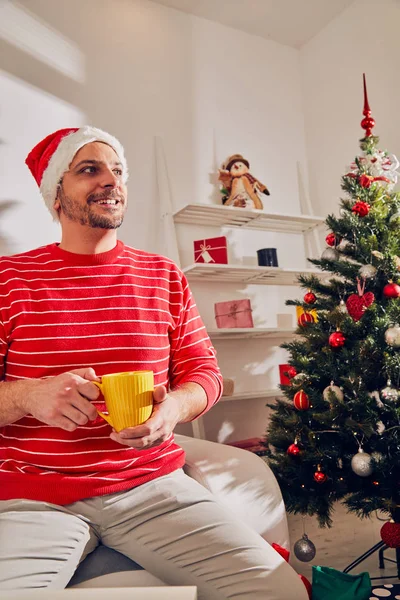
(305,318)
(391,290)
(331,239)
(310,298)
(390,534)
(301,400)
(293,450)
(291,372)
(337,339)
(361,208)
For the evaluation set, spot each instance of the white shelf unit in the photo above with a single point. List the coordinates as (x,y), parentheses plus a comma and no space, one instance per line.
(250,395)
(228,216)
(249,333)
(215,273)
(219,216)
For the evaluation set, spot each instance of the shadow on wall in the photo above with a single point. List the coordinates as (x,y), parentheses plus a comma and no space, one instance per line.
(6,245)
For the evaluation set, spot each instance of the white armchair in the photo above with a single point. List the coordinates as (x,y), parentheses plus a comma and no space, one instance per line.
(241,480)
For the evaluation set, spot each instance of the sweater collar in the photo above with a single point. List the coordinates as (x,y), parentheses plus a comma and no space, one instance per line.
(88,259)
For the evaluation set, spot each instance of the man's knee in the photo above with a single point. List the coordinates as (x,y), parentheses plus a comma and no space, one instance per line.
(40,548)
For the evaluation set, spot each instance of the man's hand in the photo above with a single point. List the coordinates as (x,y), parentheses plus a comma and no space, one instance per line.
(63,401)
(157,429)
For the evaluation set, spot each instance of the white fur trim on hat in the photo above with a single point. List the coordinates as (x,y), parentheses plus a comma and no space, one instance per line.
(62,158)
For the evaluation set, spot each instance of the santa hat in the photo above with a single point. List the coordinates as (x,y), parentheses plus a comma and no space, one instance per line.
(51,158)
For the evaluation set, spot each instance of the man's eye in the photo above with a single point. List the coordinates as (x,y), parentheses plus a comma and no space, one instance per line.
(88,170)
(118,171)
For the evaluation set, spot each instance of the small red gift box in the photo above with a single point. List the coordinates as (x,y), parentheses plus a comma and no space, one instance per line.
(284,379)
(211,250)
(235,313)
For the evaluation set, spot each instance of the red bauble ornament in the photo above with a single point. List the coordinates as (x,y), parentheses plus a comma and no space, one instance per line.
(391,290)
(301,400)
(319,476)
(331,239)
(305,318)
(337,339)
(390,534)
(291,372)
(356,305)
(293,450)
(361,208)
(310,298)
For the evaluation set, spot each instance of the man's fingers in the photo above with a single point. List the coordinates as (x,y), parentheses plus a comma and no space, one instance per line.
(85,407)
(75,415)
(88,390)
(160,394)
(87,373)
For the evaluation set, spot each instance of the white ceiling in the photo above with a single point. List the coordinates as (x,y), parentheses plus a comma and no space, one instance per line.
(290,22)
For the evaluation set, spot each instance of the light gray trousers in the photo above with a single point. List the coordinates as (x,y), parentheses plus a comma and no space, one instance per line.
(171,526)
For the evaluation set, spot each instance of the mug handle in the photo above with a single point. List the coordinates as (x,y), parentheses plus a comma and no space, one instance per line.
(105,417)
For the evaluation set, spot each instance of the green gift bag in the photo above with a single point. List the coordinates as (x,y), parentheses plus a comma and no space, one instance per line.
(329,584)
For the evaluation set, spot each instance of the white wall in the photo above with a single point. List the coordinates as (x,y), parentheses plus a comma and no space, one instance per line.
(206,91)
(364,38)
(26,222)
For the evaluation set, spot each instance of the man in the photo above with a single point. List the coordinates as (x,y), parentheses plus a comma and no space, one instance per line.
(70,313)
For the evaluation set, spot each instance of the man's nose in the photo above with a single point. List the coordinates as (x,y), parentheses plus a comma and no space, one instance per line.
(110,179)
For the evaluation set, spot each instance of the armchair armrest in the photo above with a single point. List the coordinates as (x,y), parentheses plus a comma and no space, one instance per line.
(241,481)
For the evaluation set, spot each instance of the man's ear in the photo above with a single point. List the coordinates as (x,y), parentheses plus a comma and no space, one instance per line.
(57,203)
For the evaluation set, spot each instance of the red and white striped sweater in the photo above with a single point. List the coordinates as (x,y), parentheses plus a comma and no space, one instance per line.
(121,310)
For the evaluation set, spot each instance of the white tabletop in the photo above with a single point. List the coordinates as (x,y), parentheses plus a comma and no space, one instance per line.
(132,593)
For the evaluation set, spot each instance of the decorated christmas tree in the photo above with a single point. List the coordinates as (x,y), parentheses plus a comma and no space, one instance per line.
(335,435)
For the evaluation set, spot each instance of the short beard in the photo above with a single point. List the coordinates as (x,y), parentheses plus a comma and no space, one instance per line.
(77,213)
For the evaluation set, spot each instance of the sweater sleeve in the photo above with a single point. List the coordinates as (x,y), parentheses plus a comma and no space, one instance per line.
(193,358)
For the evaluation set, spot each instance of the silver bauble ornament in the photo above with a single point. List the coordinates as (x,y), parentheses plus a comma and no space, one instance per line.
(343,212)
(392,336)
(299,379)
(342,308)
(389,393)
(361,463)
(335,390)
(330,254)
(304,549)
(344,245)
(367,271)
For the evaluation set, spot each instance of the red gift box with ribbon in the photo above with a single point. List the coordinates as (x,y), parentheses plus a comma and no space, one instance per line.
(284,379)
(235,313)
(211,250)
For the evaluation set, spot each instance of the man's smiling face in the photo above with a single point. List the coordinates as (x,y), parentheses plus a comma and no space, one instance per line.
(92,191)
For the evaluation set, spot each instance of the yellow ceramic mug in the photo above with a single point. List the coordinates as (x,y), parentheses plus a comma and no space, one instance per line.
(128,397)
